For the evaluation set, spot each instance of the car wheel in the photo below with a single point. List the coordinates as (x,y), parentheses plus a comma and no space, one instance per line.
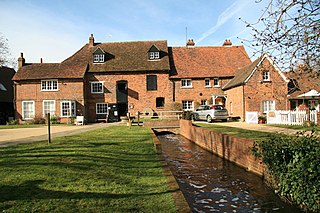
(209,119)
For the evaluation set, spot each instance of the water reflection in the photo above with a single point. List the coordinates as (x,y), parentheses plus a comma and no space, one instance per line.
(211,184)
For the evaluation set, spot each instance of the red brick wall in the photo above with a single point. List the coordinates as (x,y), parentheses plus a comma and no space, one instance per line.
(235,96)
(138,96)
(229,147)
(198,91)
(257,90)
(31,91)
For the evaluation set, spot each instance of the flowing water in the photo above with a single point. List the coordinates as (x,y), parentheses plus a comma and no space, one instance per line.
(211,184)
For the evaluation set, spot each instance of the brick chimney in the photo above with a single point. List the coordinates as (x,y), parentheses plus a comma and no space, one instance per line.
(227,42)
(190,43)
(91,41)
(21,61)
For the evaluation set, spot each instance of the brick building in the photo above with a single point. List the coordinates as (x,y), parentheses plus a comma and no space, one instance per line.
(259,87)
(132,76)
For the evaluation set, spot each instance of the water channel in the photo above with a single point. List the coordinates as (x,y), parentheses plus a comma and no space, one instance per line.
(211,184)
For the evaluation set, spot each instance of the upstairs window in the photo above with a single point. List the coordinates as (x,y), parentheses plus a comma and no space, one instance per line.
(154,53)
(186,83)
(97,87)
(99,56)
(216,82)
(151,82)
(207,82)
(49,85)
(265,76)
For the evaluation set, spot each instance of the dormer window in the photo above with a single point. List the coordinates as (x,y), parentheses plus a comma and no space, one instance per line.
(154,53)
(99,56)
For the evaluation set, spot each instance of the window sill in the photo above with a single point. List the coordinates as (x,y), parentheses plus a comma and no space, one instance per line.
(207,86)
(49,90)
(217,86)
(186,87)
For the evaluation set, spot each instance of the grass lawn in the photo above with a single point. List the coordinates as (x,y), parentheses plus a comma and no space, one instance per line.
(242,133)
(114,169)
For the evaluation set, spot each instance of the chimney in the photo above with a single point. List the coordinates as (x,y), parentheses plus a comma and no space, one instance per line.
(91,41)
(21,61)
(190,43)
(227,42)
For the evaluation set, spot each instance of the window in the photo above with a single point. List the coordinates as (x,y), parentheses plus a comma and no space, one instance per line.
(154,55)
(49,85)
(97,87)
(186,83)
(68,108)
(313,105)
(49,106)
(216,82)
(268,106)
(187,105)
(207,82)
(151,82)
(28,111)
(98,58)
(266,76)
(102,108)
(204,102)
(2,87)
(159,102)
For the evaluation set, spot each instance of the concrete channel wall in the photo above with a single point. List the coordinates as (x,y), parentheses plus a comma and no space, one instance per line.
(229,147)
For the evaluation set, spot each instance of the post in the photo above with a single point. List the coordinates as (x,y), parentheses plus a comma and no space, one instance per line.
(49,134)
(138,118)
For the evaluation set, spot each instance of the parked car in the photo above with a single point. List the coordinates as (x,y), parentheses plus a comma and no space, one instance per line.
(210,113)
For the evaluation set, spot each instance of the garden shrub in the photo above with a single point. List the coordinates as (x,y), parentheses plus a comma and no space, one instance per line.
(54,119)
(294,165)
(186,115)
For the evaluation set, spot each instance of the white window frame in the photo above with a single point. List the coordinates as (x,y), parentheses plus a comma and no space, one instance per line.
(105,107)
(216,82)
(265,75)
(50,85)
(268,105)
(186,83)
(51,110)
(154,55)
(98,58)
(187,105)
(92,87)
(207,82)
(32,114)
(72,109)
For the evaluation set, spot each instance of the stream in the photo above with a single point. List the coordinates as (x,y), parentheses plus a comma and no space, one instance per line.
(211,184)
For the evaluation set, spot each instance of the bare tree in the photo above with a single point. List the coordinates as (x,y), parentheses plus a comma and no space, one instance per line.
(289,31)
(5,56)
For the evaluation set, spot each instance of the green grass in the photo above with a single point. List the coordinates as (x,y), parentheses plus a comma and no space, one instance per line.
(298,127)
(114,169)
(242,133)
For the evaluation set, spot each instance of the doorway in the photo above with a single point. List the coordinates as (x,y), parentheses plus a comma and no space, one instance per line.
(122,97)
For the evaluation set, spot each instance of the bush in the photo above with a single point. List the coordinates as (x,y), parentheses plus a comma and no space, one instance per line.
(12,122)
(54,120)
(39,120)
(186,115)
(174,106)
(294,166)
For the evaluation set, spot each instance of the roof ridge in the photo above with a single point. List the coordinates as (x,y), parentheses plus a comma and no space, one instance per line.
(135,41)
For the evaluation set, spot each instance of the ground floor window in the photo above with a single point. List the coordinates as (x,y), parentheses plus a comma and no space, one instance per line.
(204,102)
(49,106)
(187,105)
(28,110)
(68,108)
(268,106)
(102,108)
(313,104)
(159,102)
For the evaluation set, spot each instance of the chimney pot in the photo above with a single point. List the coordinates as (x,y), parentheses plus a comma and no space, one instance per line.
(91,41)
(227,42)
(190,43)
(41,61)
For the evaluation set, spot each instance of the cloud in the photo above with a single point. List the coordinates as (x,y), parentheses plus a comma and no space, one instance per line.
(225,16)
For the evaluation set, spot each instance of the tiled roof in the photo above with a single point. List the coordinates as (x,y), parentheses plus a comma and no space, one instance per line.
(121,56)
(242,75)
(304,82)
(224,61)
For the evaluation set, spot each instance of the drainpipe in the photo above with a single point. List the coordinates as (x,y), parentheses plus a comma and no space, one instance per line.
(244,104)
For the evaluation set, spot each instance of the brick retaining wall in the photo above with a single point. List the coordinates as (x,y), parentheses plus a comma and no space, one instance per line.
(229,147)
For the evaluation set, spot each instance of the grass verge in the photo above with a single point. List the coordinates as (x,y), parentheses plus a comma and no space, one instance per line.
(113,169)
(242,133)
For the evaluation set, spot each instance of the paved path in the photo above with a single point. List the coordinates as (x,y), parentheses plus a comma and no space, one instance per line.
(256,127)
(9,137)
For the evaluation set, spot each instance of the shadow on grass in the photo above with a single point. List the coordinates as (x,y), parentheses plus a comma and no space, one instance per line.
(31,190)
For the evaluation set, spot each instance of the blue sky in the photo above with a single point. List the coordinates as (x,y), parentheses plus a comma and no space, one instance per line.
(55,29)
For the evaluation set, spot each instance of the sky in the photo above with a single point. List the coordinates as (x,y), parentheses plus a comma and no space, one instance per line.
(55,29)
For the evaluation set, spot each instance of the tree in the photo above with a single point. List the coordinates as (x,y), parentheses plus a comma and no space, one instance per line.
(5,56)
(289,30)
